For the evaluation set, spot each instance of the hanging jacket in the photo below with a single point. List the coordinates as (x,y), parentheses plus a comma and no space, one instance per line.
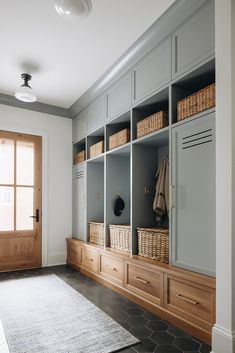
(161,200)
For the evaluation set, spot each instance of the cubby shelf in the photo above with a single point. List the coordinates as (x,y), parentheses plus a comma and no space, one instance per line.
(97,159)
(123,150)
(156,138)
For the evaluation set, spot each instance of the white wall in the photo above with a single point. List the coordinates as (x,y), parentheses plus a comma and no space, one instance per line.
(223,335)
(56,135)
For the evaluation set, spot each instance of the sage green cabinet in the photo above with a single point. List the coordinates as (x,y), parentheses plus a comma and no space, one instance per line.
(194,41)
(96,113)
(193,181)
(119,96)
(80,126)
(79,202)
(153,70)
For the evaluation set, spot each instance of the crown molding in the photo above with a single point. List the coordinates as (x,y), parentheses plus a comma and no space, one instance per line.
(36,106)
(164,26)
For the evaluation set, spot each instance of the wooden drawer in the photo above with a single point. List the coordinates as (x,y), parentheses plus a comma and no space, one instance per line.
(191,301)
(74,253)
(112,267)
(144,282)
(90,259)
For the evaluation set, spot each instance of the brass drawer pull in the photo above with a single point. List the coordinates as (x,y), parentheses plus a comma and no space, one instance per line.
(142,280)
(186,299)
(110,267)
(90,259)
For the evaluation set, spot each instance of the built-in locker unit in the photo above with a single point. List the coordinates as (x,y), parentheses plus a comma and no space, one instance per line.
(193,185)
(79,202)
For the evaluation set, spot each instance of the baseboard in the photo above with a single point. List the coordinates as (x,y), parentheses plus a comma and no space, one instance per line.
(223,341)
(56,259)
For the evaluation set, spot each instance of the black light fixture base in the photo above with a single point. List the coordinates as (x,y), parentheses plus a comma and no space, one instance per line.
(26,78)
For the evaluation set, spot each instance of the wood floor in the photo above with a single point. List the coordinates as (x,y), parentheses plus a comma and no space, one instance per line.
(156,335)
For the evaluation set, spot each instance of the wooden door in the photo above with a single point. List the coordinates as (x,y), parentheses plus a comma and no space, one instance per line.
(20,201)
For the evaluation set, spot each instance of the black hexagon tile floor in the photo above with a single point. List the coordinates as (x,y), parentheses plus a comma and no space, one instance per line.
(156,335)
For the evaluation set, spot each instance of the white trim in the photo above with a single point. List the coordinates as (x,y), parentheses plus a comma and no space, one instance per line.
(222,340)
(45,180)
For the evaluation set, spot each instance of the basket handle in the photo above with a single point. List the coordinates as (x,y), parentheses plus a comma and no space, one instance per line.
(142,280)
(186,299)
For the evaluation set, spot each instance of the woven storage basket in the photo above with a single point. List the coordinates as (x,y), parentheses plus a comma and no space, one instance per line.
(119,138)
(96,233)
(196,103)
(97,149)
(154,243)
(152,123)
(80,157)
(120,237)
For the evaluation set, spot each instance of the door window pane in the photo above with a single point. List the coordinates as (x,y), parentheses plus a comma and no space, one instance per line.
(6,208)
(25,163)
(24,208)
(6,161)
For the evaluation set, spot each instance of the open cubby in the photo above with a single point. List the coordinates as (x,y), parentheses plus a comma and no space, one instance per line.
(78,147)
(120,123)
(191,83)
(95,192)
(146,158)
(93,138)
(158,102)
(117,184)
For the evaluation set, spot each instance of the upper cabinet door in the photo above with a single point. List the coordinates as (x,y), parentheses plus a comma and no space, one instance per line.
(153,71)
(193,180)
(194,41)
(119,96)
(96,113)
(80,126)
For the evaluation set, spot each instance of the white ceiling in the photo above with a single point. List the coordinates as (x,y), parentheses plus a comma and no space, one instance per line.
(66,57)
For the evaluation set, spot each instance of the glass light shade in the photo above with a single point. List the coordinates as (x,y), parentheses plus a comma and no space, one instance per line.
(73,8)
(25,94)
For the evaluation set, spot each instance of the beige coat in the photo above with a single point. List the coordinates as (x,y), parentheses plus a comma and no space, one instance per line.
(161,200)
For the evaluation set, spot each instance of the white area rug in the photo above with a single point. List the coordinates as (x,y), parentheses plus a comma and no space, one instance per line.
(45,315)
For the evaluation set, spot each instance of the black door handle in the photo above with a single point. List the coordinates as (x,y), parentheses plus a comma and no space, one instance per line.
(37,217)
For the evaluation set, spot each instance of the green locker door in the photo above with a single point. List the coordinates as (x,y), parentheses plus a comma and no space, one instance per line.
(193,181)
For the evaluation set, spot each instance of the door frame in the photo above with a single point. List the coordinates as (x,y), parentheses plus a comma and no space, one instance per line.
(45,180)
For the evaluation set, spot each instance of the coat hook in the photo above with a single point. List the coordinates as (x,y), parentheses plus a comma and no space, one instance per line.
(98,195)
(146,190)
(118,194)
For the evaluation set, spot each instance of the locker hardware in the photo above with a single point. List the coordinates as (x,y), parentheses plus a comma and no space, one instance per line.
(186,299)
(111,268)
(172,196)
(142,280)
(146,190)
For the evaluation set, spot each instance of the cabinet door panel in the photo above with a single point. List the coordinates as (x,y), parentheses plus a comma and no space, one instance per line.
(96,113)
(153,71)
(119,96)
(193,175)
(79,202)
(80,126)
(194,41)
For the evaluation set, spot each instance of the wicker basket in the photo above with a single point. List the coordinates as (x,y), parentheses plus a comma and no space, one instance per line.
(96,233)
(80,157)
(120,237)
(154,243)
(196,103)
(152,123)
(119,138)
(97,149)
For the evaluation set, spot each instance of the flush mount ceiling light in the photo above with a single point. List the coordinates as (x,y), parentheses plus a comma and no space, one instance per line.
(73,8)
(25,92)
